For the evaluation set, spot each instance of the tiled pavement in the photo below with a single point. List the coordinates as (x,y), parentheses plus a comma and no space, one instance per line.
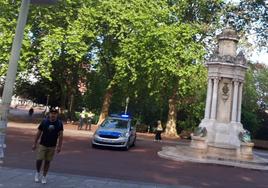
(13,178)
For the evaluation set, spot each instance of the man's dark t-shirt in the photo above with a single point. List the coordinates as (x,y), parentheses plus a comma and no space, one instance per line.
(50,132)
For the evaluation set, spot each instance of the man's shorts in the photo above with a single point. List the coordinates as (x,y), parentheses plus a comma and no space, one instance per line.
(45,153)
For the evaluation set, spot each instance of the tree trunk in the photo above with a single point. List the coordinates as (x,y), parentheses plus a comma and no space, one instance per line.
(63,99)
(172,118)
(106,105)
(70,104)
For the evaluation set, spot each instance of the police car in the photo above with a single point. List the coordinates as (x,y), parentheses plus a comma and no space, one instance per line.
(115,131)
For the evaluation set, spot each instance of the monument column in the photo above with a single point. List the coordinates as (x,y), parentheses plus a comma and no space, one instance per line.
(235,98)
(240,102)
(214,98)
(208,100)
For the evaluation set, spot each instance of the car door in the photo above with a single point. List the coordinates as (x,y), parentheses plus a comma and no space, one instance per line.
(132,132)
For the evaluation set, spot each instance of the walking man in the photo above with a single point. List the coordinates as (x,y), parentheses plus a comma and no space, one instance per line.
(50,131)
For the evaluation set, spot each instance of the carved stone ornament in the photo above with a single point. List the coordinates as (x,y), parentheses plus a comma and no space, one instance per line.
(225,58)
(228,59)
(244,136)
(240,58)
(200,131)
(225,91)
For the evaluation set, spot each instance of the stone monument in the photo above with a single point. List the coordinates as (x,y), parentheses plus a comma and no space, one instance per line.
(226,75)
(220,137)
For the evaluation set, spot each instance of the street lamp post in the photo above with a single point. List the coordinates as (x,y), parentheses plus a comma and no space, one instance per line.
(12,70)
(127,101)
(47,108)
(11,73)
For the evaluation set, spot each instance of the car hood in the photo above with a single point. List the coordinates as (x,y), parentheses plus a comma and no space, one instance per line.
(114,132)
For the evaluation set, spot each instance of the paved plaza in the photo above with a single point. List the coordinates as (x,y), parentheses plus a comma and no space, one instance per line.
(79,165)
(12,177)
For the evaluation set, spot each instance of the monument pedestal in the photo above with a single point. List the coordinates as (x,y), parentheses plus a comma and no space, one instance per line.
(246,150)
(221,150)
(198,142)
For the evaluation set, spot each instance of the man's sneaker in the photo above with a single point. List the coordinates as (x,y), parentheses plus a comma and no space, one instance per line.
(44,180)
(36,177)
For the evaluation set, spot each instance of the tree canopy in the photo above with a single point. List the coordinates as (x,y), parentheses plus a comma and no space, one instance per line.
(96,53)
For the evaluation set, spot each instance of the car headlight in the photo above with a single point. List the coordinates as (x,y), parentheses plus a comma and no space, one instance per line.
(126,134)
(95,134)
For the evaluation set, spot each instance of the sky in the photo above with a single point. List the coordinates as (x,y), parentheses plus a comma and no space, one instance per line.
(261,57)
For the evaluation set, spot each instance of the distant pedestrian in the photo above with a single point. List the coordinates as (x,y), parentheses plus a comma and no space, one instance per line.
(89,119)
(46,112)
(86,121)
(51,132)
(89,123)
(31,111)
(159,130)
(82,116)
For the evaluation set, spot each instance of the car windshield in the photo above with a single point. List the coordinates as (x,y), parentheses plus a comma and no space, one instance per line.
(114,124)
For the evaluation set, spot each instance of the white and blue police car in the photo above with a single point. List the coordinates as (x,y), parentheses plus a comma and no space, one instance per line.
(115,131)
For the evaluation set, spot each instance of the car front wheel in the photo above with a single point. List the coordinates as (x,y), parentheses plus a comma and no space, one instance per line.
(134,142)
(127,146)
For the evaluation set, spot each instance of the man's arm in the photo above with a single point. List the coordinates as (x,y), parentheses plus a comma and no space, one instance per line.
(37,136)
(60,141)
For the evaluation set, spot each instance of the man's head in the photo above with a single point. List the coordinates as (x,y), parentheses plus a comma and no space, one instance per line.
(53,114)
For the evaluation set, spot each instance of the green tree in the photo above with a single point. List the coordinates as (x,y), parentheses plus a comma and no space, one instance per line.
(117,23)
(64,47)
(250,107)
(8,20)
(262,82)
(250,18)
(7,30)
(137,42)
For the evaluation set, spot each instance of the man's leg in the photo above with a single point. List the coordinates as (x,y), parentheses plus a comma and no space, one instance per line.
(39,162)
(38,165)
(89,125)
(157,135)
(80,124)
(38,168)
(48,157)
(86,126)
(46,167)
